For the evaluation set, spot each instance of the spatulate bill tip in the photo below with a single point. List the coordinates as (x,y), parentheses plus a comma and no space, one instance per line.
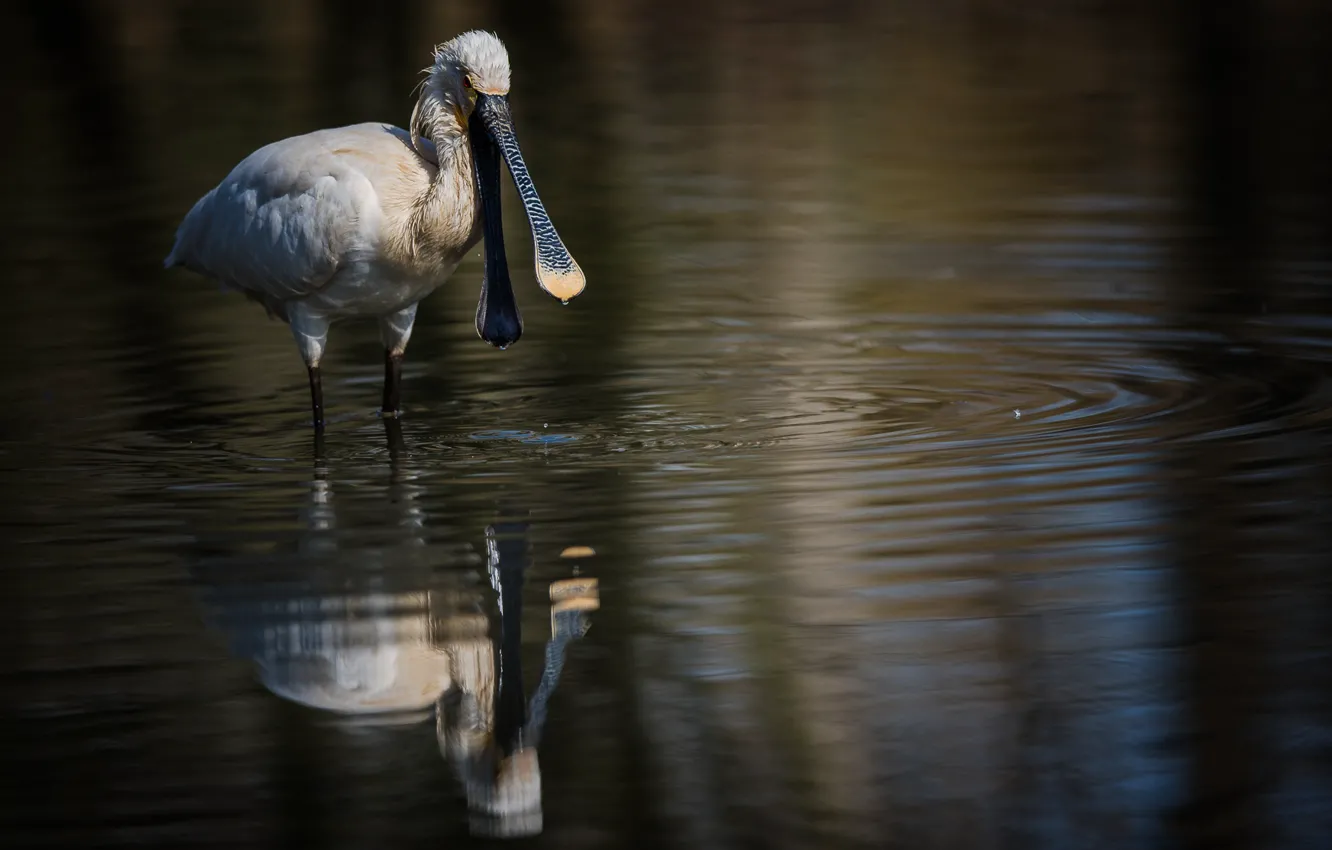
(563,284)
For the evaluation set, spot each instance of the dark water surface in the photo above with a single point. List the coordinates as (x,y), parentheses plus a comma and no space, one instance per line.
(939,456)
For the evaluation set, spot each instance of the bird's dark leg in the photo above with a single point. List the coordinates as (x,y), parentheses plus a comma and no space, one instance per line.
(392,384)
(317,397)
(394,331)
(310,331)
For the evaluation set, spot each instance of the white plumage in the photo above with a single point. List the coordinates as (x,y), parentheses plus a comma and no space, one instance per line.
(368,219)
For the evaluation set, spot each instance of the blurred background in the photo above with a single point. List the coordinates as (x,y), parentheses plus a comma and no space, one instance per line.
(939,456)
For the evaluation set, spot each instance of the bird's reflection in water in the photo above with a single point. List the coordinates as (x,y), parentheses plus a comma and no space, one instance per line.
(378,645)
(487,729)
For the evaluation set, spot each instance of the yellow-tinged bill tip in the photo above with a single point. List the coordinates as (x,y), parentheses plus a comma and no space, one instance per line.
(563,285)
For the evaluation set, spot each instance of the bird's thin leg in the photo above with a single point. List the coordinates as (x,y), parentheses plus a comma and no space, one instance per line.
(317,397)
(310,330)
(395,330)
(392,383)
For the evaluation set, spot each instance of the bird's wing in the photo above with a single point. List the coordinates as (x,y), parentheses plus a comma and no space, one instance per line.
(288,216)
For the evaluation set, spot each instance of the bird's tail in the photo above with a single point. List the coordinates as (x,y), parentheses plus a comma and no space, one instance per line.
(187,233)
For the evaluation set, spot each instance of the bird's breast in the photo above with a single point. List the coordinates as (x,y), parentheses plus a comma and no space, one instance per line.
(377,288)
(429,226)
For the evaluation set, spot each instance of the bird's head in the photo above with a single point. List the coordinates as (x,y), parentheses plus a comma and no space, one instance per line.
(464,69)
(466,92)
(473,63)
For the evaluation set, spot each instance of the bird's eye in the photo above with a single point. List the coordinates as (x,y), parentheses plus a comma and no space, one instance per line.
(467,81)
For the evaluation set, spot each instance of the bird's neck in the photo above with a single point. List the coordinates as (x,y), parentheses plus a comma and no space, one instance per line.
(451,148)
(454,180)
(436,117)
(444,215)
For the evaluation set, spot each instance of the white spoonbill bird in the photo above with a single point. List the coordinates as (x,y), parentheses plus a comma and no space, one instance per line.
(368,219)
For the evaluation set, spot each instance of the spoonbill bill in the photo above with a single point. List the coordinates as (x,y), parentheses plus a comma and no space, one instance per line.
(368,219)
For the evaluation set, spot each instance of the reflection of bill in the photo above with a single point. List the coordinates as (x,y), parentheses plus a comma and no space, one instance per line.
(498,766)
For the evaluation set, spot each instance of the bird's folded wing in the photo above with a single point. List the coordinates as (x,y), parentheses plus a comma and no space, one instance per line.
(280,224)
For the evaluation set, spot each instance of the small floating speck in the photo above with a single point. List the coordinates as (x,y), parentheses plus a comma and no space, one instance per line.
(1017,414)
(578,552)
